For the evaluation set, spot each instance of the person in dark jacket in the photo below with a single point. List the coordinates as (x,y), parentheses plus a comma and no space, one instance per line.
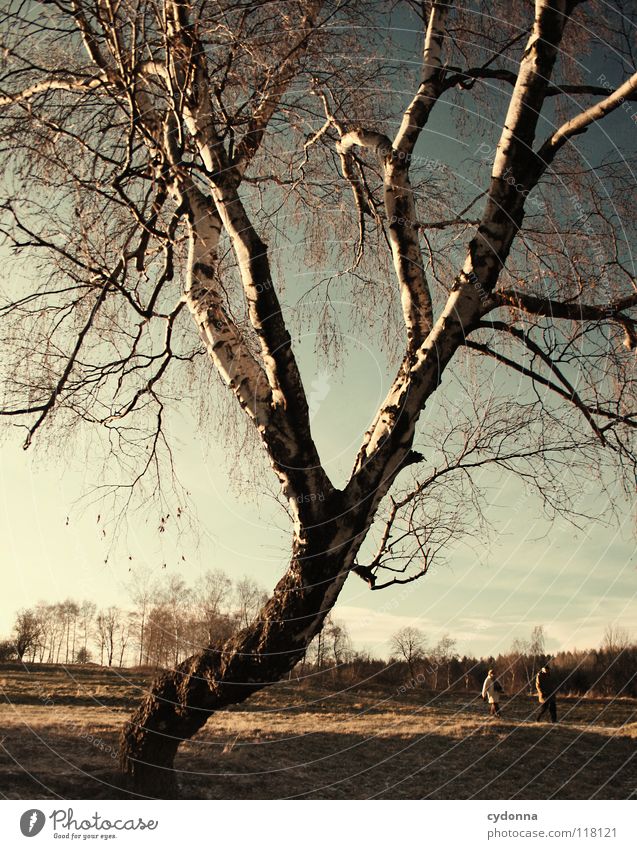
(546,693)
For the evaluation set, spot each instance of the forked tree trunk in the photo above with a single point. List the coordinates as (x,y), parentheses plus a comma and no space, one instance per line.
(181,702)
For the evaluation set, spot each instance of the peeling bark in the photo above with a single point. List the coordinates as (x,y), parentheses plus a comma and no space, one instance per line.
(513,171)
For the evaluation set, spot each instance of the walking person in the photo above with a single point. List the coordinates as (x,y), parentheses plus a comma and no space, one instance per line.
(490,690)
(546,693)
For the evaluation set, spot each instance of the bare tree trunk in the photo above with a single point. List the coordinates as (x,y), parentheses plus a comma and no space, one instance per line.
(319,651)
(141,638)
(181,702)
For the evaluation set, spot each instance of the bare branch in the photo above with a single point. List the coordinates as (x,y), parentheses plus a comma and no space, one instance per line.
(48,406)
(466,79)
(575,311)
(275,85)
(580,123)
(73,84)
(431,86)
(408,580)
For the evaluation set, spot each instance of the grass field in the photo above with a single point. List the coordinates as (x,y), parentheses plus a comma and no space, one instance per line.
(59,730)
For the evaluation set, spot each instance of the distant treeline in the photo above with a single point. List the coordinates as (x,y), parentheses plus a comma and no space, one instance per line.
(168,620)
(610,670)
(603,671)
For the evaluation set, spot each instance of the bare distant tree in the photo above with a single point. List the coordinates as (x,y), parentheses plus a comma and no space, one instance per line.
(124,635)
(46,619)
(331,646)
(175,596)
(537,648)
(339,642)
(143,592)
(69,612)
(521,664)
(166,156)
(619,656)
(316,652)
(409,644)
(108,623)
(616,638)
(52,623)
(213,593)
(158,637)
(26,632)
(442,655)
(86,615)
(249,598)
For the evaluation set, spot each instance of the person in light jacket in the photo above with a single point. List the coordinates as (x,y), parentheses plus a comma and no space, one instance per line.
(490,690)
(546,693)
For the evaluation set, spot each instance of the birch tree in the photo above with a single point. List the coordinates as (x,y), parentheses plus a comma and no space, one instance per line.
(142,590)
(444,652)
(212,592)
(163,156)
(108,625)
(410,645)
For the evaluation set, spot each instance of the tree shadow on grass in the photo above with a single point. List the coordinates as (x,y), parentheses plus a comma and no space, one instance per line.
(499,760)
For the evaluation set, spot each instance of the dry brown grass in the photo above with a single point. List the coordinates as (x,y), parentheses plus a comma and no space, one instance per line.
(59,731)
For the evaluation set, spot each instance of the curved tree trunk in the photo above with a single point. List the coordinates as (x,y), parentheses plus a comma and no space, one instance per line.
(181,701)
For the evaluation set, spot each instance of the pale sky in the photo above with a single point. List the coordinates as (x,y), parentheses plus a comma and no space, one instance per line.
(572,582)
